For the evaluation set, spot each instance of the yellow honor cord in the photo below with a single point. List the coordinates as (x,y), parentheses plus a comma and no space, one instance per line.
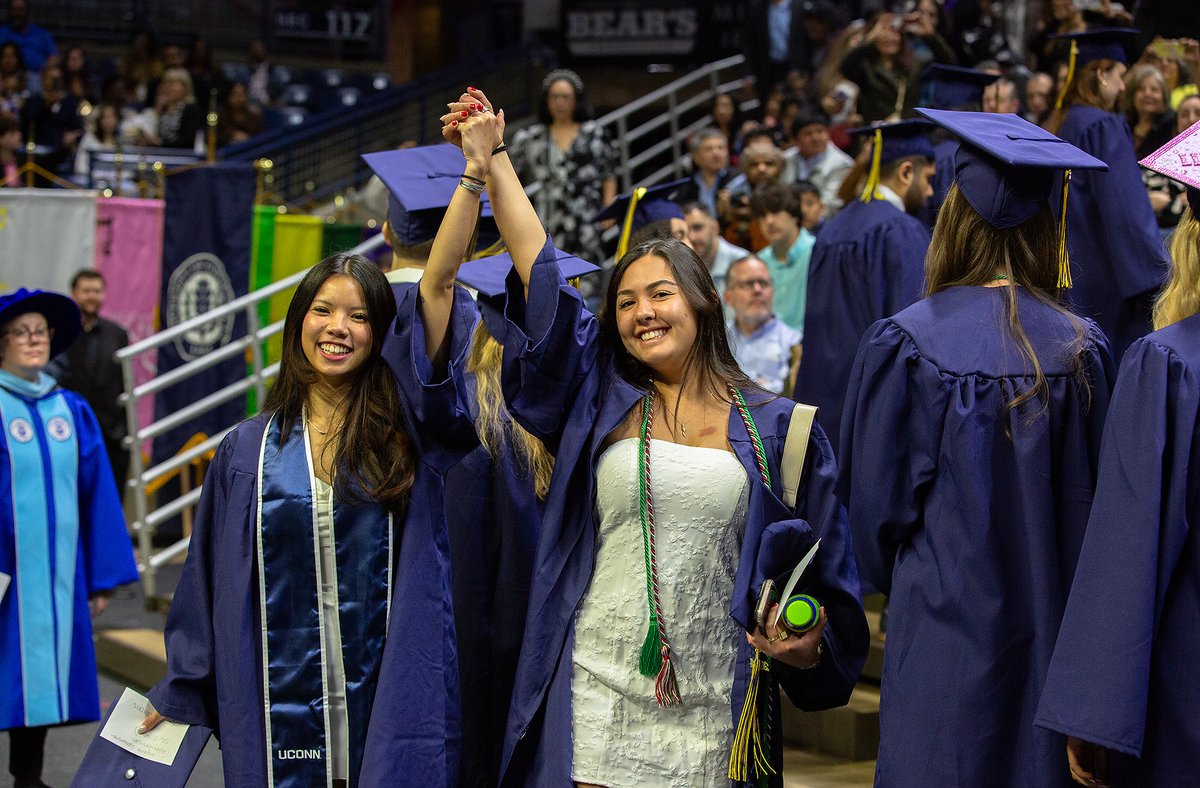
(1064,264)
(1062,94)
(627,228)
(872,190)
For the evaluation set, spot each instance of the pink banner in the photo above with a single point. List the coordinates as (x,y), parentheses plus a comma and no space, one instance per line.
(129,238)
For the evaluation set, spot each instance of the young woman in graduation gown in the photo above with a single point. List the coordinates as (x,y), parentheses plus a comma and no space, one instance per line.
(1117,257)
(663,517)
(447,368)
(1123,679)
(311,513)
(969,449)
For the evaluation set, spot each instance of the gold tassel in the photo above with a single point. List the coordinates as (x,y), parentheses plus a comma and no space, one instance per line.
(748,739)
(627,228)
(1070,74)
(1064,264)
(872,190)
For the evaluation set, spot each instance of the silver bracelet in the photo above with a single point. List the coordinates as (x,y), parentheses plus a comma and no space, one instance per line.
(474,188)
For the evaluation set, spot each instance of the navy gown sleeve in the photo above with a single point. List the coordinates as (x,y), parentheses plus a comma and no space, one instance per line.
(441,416)
(107,554)
(904,246)
(1129,227)
(1100,675)
(846,639)
(551,346)
(189,691)
(890,441)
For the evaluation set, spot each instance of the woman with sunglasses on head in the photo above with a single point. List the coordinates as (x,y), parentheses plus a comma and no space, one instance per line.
(63,544)
(644,661)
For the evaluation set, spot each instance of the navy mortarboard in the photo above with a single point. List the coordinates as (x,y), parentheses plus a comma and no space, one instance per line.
(420,183)
(955,87)
(894,140)
(489,274)
(1098,43)
(640,207)
(1006,168)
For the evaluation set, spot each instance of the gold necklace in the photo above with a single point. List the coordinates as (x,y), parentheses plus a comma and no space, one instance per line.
(312,424)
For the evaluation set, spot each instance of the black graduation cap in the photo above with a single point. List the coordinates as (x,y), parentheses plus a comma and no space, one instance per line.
(1098,43)
(1006,167)
(488,274)
(420,182)
(649,203)
(954,87)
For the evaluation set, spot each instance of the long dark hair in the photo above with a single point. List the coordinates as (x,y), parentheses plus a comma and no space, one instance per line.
(375,458)
(966,250)
(710,356)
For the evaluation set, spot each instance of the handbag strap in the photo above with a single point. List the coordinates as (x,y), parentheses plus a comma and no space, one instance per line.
(795,447)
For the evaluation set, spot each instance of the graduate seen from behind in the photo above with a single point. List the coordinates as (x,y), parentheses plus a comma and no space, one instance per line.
(1122,683)
(277,628)
(665,514)
(63,544)
(969,447)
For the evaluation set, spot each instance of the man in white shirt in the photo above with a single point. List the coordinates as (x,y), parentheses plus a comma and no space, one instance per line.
(763,345)
(818,160)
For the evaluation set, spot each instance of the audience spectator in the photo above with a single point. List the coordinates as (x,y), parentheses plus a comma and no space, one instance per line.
(14,87)
(761,163)
(89,368)
(199,63)
(704,236)
(836,94)
(1168,197)
(763,345)
(1058,17)
(1001,96)
(260,84)
(573,159)
(979,32)
(812,209)
(776,208)
(103,134)
(1145,106)
(774,42)
(818,160)
(78,78)
(52,120)
(823,22)
(35,43)
(10,147)
(177,118)
(1178,60)
(885,68)
(141,67)
(1038,100)
(710,169)
(239,120)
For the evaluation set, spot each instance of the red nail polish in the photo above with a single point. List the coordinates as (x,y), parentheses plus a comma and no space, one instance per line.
(465,113)
(454,123)
(471,89)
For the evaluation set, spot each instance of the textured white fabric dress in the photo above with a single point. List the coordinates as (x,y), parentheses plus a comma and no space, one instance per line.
(621,736)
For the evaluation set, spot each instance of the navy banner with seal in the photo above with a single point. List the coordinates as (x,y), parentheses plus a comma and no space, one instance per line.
(206,263)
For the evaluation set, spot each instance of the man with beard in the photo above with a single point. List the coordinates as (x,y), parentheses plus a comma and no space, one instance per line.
(868,263)
(89,368)
(704,235)
(762,343)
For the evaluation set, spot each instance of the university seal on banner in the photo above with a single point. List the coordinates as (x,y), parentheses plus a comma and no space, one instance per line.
(198,285)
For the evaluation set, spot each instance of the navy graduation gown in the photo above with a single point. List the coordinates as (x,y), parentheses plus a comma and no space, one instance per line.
(944,152)
(52,456)
(973,536)
(1124,670)
(1118,262)
(561,384)
(869,263)
(492,516)
(214,656)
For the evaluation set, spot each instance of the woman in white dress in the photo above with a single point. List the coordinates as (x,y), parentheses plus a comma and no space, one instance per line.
(664,516)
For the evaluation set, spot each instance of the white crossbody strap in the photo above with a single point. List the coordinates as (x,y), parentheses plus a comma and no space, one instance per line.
(795,446)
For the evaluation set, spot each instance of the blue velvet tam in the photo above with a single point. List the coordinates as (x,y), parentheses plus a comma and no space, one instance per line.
(1179,160)
(61,313)
(421,182)
(489,274)
(954,87)
(1100,43)
(901,138)
(1006,166)
(653,206)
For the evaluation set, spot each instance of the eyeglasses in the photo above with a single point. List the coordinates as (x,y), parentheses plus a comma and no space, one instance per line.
(29,334)
(750,284)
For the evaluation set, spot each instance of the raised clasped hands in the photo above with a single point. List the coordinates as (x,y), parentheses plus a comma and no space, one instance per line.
(779,643)
(472,110)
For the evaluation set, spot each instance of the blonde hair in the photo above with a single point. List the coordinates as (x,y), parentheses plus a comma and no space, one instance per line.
(1181,297)
(966,250)
(181,76)
(494,429)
